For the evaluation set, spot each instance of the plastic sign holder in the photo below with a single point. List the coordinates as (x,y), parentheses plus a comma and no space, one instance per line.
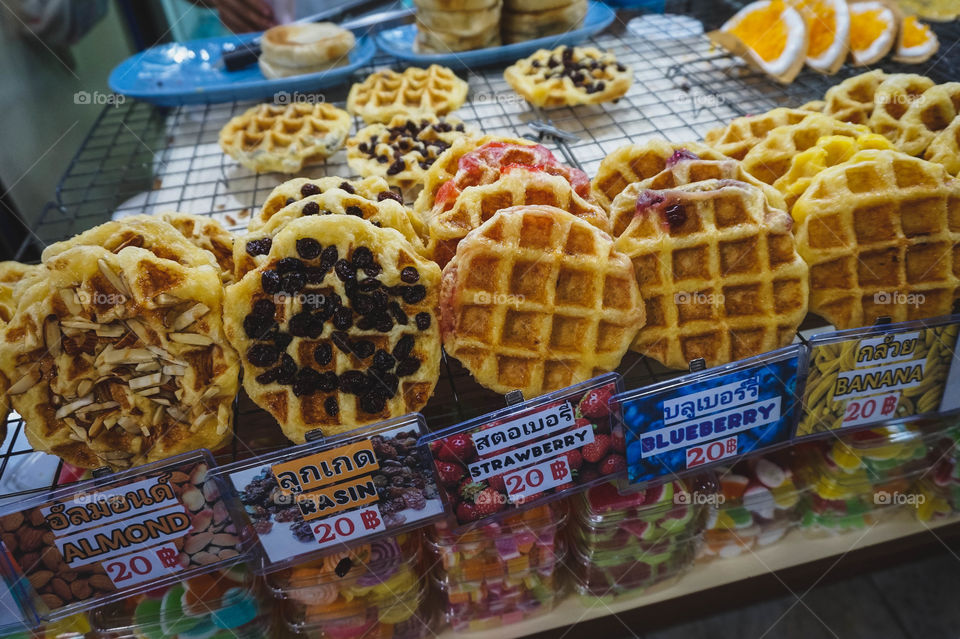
(882,373)
(704,418)
(316,498)
(79,547)
(529,453)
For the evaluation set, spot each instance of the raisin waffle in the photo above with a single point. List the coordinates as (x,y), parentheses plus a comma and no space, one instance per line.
(880,234)
(685,170)
(567,76)
(387,93)
(338,328)
(742,134)
(253,249)
(402,151)
(638,162)
(930,114)
(945,148)
(852,99)
(537,299)
(205,233)
(718,271)
(892,99)
(285,138)
(517,186)
(119,358)
(771,158)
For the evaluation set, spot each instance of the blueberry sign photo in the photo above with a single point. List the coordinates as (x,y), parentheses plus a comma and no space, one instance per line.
(708,417)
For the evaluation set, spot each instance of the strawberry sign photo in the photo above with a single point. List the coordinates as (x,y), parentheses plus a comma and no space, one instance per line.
(529,453)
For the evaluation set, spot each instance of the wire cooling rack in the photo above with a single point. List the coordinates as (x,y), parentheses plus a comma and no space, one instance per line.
(140,158)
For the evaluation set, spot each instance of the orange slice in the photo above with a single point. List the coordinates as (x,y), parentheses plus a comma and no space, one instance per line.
(828,23)
(917,42)
(770,35)
(873,30)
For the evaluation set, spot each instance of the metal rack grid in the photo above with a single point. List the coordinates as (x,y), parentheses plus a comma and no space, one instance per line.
(141,158)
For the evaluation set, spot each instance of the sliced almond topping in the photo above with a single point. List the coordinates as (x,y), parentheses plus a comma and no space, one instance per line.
(166,299)
(110,421)
(163,401)
(176,413)
(191,338)
(147,392)
(70,300)
(112,330)
(96,426)
(25,383)
(148,367)
(190,316)
(51,335)
(68,409)
(97,407)
(209,392)
(157,416)
(144,431)
(175,370)
(112,277)
(79,322)
(129,424)
(146,381)
(162,354)
(202,422)
(139,330)
(77,438)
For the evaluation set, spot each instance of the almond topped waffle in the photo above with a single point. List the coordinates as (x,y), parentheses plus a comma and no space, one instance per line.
(892,99)
(253,249)
(338,328)
(285,138)
(637,162)
(929,114)
(403,150)
(718,271)
(387,93)
(945,148)
(374,189)
(567,76)
(742,134)
(537,299)
(14,279)
(518,185)
(119,358)
(205,233)
(771,158)
(880,234)
(852,99)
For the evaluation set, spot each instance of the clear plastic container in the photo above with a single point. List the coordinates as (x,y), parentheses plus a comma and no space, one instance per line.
(936,493)
(73,627)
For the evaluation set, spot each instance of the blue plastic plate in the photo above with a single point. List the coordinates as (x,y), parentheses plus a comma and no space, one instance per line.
(192,73)
(398,42)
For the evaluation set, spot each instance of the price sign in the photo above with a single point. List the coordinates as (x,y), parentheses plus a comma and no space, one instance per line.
(148,565)
(350,526)
(704,418)
(868,376)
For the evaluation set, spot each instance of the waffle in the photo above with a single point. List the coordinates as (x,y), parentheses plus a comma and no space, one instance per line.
(466,24)
(305,359)
(569,76)
(536,299)
(771,158)
(817,106)
(432,41)
(528,24)
(387,93)
(945,148)
(14,279)
(930,114)
(253,249)
(852,99)
(402,151)
(686,171)
(742,134)
(119,358)
(637,162)
(272,137)
(880,234)
(205,233)
(519,6)
(455,5)
(305,45)
(518,186)
(892,99)
(718,271)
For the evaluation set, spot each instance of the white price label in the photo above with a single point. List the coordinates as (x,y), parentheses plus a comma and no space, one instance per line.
(348,526)
(142,566)
(533,480)
(866,410)
(714,451)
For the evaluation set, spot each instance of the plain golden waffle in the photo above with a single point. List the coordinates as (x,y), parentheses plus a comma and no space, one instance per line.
(686,171)
(637,162)
(852,99)
(338,328)
(403,150)
(119,358)
(742,134)
(927,116)
(431,41)
(537,299)
(817,106)
(466,24)
(205,233)
(520,25)
(892,99)
(285,138)
(771,158)
(880,234)
(253,249)
(387,93)
(516,187)
(373,189)
(718,271)
(569,76)
(945,148)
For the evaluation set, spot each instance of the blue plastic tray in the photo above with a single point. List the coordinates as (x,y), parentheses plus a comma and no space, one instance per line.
(192,73)
(398,42)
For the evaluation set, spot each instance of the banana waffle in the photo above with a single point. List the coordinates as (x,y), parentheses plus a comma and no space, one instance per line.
(742,134)
(537,299)
(374,189)
(519,185)
(880,234)
(253,249)
(852,99)
(285,138)
(637,162)
(338,328)
(387,93)
(945,148)
(205,233)
(402,151)
(569,76)
(718,271)
(771,158)
(930,114)
(119,358)
(14,279)
(892,99)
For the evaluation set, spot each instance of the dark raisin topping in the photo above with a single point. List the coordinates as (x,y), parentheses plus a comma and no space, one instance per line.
(382,159)
(676,215)
(364,304)
(408,366)
(384,380)
(384,324)
(289,201)
(383,360)
(289,265)
(307,382)
(262,355)
(309,189)
(365,323)
(345,271)
(372,269)
(328,382)
(682,155)
(331,406)
(414,294)
(353,382)
(621,68)
(389,195)
(264,308)
(342,318)
(299,324)
(288,369)
(397,167)
(425,165)
(362,256)
(410,275)
(332,303)
(293,283)
(282,340)
(329,256)
(368,284)
(310,208)
(346,186)
(404,347)
(380,299)
(315,274)
(363,348)
(268,376)
(423,321)
(397,313)
(257,326)
(373,402)
(259,247)
(342,341)
(312,300)
(323,354)
(270,282)
(353,210)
